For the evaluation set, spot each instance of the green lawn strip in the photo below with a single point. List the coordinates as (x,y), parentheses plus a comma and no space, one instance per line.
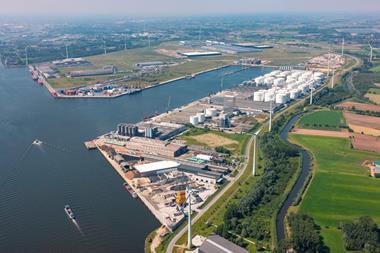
(333,238)
(324,120)
(341,189)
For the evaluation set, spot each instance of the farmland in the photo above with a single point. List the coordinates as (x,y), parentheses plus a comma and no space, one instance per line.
(341,189)
(363,124)
(324,120)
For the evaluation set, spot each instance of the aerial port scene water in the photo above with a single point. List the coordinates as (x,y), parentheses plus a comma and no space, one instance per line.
(187,131)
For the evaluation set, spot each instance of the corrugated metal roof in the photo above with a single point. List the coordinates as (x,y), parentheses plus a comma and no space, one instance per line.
(217,244)
(156,166)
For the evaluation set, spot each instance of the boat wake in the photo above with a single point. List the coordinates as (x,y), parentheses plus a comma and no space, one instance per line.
(76,224)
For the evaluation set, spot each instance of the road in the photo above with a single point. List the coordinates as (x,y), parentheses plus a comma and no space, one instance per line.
(214,200)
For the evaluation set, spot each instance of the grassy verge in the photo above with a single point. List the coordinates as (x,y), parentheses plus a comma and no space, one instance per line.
(324,120)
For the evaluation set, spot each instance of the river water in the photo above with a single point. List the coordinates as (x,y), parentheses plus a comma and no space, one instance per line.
(37,181)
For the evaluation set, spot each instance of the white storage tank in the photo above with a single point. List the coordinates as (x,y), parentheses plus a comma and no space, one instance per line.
(279,82)
(194,120)
(211,112)
(281,98)
(269,80)
(294,94)
(258,96)
(201,117)
(259,80)
(269,96)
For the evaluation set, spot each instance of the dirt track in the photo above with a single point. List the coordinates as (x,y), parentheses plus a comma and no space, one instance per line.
(325,133)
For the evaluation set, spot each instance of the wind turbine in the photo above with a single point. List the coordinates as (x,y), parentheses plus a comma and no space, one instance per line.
(189,237)
(333,79)
(254,152)
(67,52)
(270,115)
(371,51)
(26,56)
(125,42)
(328,61)
(343,47)
(311,95)
(104,47)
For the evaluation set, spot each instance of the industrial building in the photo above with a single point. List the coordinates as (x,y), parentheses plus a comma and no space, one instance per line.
(127,129)
(156,168)
(161,130)
(200,54)
(217,244)
(141,145)
(150,64)
(106,70)
(71,62)
(201,175)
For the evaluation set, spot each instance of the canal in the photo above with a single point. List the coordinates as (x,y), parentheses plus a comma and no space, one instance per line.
(37,181)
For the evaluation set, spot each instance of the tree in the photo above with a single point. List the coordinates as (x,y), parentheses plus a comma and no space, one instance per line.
(360,233)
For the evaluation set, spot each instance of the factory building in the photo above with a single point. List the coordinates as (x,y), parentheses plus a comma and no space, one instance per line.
(150,64)
(106,70)
(127,130)
(217,244)
(151,132)
(154,147)
(200,54)
(156,168)
(201,175)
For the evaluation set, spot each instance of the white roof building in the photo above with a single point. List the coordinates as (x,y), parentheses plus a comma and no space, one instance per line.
(157,167)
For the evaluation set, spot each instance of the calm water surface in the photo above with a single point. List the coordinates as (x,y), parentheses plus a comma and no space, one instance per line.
(37,181)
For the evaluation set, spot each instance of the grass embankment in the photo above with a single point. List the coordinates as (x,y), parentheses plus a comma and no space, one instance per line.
(325,120)
(341,189)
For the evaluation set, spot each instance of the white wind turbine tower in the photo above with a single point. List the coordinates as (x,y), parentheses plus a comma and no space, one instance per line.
(104,47)
(371,51)
(311,95)
(125,42)
(26,56)
(328,61)
(189,236)
(333,79)
(67,51)
(270,115)
(343,47)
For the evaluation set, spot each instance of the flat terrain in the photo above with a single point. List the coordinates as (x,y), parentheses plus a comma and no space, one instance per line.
(341,189)
(374,98)
(365,142)
(363,124)
(359,106)
(212,139)
(326,133)
(324,120)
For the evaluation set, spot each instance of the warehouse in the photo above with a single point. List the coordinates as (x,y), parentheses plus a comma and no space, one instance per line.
(201,175)
(155,168)
(217,244)
(200,54)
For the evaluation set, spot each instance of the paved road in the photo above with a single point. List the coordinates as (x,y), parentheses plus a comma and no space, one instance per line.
(214,200)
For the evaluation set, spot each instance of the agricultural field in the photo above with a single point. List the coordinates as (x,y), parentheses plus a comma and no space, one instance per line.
(359,106)
(374,98)
(363,124)
(211,139)
(324,120)
(341,189)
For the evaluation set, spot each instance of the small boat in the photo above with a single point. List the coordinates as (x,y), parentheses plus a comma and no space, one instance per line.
(130,190)
(37,142)
(69,212)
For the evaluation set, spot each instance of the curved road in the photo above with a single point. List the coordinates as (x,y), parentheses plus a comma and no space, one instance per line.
(214,200)
(300,182)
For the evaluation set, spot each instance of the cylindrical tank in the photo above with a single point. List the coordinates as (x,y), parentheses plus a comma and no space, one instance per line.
(294,94)
(211,112)
(194,120)
(269,96)
(269,80)
(279,82)
(281,98)
(258,96)
(201,117)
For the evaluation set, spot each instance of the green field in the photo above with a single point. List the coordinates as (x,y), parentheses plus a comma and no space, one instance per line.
(375,69)
(325,120)
(341,189)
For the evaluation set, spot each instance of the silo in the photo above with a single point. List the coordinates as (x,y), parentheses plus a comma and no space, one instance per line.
(201,117)
(258,96)
(194,120)
(269,96)
(279,82)
(294,94)
(211,112)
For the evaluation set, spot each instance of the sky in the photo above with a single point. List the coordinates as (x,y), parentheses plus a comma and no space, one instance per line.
(183,7)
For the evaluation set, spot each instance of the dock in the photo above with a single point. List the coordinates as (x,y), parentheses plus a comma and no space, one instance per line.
(90,145)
